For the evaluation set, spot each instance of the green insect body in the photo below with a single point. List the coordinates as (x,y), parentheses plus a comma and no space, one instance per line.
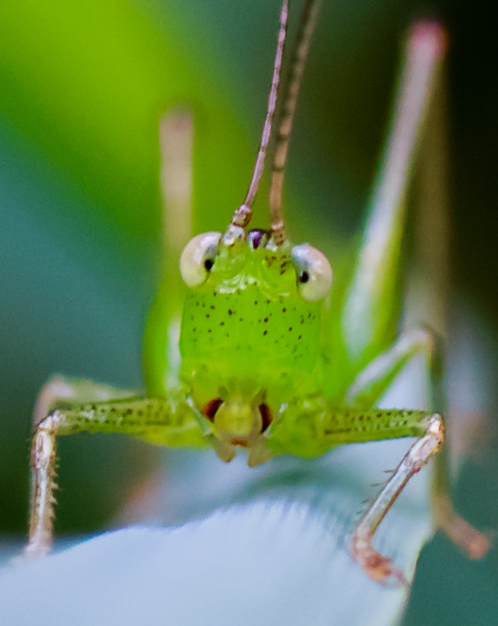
(268,355)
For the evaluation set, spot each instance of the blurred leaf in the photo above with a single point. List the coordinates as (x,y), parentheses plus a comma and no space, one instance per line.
(88,81)
(262,564)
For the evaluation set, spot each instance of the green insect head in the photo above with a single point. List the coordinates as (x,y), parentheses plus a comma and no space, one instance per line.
(251,327)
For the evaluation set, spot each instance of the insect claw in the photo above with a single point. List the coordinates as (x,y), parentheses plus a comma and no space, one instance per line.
(395,579)
(379,568)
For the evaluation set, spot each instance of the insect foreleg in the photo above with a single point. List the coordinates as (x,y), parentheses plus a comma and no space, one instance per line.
(474,543)
(167,421)
(374,379)
(367,388)
(61,389)
(309,427)
(378,567)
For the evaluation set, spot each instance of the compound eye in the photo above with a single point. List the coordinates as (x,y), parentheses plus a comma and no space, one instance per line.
(198,258)
(314,273)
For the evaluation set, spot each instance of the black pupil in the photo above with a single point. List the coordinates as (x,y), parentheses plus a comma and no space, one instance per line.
(208,264)
(304,277)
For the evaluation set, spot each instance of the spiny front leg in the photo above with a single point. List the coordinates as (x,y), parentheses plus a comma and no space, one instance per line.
(164,421)
(310,428)
(56,392)
(42,489)
(366,390)
(378,567)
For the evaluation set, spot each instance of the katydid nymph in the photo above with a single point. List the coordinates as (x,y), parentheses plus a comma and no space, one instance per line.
(266,355)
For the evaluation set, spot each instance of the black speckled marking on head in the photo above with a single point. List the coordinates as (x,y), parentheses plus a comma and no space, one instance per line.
(233,324)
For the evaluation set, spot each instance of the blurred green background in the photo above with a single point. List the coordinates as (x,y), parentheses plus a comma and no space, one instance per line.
(82,86)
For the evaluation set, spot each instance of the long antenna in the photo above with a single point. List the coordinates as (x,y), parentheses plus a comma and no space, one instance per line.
(303,40)
(242,215)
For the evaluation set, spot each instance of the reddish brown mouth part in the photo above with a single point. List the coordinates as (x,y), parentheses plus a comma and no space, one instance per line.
(211,408)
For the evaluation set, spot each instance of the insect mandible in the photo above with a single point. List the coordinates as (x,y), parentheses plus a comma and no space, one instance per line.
(299,366)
